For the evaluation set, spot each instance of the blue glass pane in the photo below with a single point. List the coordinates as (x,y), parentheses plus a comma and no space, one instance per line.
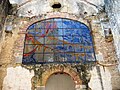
(90,57)
(79,49)
(81,57)
(31,27)
(69,48)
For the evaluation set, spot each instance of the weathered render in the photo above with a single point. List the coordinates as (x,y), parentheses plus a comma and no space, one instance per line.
(113,11)
(101,16)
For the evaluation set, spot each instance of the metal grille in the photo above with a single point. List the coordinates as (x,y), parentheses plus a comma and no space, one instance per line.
(58,40)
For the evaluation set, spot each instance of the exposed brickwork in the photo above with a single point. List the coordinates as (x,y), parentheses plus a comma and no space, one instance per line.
(61,69)
(113,11)
(14,45)
(107,49)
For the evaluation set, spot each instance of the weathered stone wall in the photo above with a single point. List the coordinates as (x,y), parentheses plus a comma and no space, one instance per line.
(105,52)
(18,78)
(12,49)
(100,79)
(3,13)
(113,11)
(11,53)
(29,8)
(14,43)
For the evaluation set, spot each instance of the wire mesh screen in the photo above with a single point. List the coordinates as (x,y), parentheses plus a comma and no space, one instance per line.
(58,40)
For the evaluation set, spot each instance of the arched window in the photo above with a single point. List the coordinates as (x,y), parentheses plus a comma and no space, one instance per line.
(58,40)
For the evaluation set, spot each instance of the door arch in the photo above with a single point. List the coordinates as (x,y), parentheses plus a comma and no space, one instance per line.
(60,81)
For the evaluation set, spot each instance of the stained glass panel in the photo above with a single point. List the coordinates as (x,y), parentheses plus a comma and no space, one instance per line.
(58,41)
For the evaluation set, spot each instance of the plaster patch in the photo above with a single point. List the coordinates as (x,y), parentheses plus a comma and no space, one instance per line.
(96,83)
(18,78)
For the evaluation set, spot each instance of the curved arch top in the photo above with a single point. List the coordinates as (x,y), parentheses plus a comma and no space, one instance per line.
(58,40)
(66,22)
(60,69)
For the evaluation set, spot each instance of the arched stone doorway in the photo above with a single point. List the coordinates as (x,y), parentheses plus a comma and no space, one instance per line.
(55,73)
(60,81)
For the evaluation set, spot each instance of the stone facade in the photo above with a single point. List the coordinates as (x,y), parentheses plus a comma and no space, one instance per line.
(113,11)
(102,74)
(3,13)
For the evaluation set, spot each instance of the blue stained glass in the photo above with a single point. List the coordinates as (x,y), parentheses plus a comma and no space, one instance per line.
(76,25)
(29,60)
(66,22)
(58,40)
(68,48)
(77,39)
(31,27)
(90,57)
(79,48)
(89,49)
(77,32)
(58,20)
